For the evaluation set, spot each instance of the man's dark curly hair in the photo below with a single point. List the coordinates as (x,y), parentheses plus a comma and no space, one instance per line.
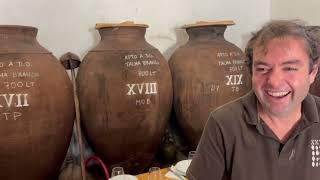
(281,29)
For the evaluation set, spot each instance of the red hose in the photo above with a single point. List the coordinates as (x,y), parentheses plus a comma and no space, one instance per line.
(101,163)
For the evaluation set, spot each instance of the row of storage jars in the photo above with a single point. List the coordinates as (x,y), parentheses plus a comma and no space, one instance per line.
(125,92)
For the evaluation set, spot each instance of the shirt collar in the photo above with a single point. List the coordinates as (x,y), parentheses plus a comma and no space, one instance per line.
(249,102)
(311,108)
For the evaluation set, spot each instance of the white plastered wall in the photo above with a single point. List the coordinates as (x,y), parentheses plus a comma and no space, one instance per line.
(68,25)
(296,9)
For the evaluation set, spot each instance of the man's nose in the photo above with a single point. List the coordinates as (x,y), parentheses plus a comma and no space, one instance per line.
(275,78)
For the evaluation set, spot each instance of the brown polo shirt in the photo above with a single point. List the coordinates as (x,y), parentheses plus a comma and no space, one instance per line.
(237,145)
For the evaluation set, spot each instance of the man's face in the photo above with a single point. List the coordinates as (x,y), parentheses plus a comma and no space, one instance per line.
(280,76)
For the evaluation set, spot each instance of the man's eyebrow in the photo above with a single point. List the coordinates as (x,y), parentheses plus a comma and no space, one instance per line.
(259,62)
(293,61)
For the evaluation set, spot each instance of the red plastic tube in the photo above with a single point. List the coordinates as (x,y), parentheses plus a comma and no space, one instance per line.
(101,163)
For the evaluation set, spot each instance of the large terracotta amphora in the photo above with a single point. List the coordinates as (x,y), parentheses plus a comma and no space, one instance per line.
(36,107)
(207,72)
(125,95)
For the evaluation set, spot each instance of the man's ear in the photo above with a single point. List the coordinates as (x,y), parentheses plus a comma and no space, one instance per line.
(314,70)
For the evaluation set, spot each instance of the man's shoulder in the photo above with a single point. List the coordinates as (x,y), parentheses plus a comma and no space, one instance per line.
(229,112)
(229,109)
(240,110)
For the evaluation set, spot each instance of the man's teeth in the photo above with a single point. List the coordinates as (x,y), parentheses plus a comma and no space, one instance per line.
(278,94)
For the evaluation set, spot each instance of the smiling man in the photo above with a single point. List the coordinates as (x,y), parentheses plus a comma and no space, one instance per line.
(273,132)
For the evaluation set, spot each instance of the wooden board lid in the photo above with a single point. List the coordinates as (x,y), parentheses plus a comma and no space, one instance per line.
(206,23)
(123,24)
